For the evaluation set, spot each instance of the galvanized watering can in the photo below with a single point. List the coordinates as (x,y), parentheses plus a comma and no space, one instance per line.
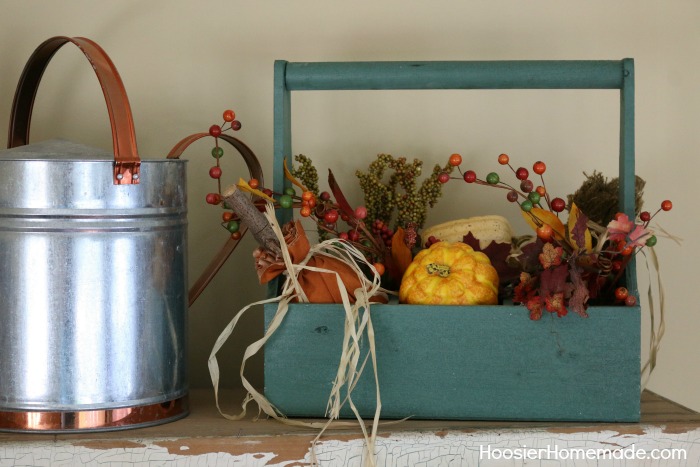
(93,283)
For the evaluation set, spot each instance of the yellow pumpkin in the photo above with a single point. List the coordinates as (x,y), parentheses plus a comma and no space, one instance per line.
(450,274)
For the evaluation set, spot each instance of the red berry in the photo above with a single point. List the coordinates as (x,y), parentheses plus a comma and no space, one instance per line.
(236,235)
(539,167)
(353,235)
(631,300)
(617,266)
(558,205)
(215,131)
(522,173)
(227,216)
(213,198)
(512,196)
(325,196)
(667,205)
(235,125)
(645,216)
(267,191)
(330,216)
(626,251)
(215,172)
(503,159)
(307,195)
(229,115)
(621,293)
(343,236)
(305,211)
(444,177)
(527,186)
(470,176)
(455,160)
(361,212)
(254,183)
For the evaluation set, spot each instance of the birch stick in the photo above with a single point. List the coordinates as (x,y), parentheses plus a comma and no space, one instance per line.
(241,203)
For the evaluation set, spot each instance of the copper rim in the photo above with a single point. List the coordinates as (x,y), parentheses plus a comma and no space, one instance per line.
(105,419)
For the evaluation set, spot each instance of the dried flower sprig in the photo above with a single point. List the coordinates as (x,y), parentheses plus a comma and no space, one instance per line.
(401,192)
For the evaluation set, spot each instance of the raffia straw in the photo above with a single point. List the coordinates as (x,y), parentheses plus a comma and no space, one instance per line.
(357,320)
(657,333)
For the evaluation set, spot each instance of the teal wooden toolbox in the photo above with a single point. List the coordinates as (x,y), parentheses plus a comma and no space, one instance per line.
(450,362)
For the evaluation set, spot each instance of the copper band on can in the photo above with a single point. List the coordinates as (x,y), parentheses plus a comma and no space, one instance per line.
(94,420)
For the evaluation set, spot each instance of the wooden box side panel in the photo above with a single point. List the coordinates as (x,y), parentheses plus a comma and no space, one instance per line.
(482,362)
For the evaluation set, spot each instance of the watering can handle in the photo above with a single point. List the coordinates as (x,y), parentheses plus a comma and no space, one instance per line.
(220,258)
(126,159)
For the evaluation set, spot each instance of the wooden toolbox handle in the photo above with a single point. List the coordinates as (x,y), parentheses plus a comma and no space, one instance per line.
(568,74)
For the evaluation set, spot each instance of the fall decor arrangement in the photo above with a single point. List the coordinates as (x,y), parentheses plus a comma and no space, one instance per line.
(571,261)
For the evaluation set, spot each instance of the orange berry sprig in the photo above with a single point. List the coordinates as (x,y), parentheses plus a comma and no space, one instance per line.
(530,195)
(217,152)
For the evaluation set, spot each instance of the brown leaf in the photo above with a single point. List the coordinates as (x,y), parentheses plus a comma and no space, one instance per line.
(400,253)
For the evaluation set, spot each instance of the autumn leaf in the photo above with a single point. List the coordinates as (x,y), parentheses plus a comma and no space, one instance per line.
(579,297)
(525,289)
(545,217)
(580,236)
(339,196)
(400,253)
(498,253)
(528,257)
(243,185)
(550,256)
(620,227)
(555,304)
(639,236)
(535,307)
(553,280)
(288,175)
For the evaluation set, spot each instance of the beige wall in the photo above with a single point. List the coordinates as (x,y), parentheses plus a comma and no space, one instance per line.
(183,63)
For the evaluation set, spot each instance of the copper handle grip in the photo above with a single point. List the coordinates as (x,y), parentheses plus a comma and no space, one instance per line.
(126,158)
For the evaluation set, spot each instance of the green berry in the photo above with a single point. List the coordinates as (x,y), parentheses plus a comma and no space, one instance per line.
(492,178)
(217,152)
(286,201)
(233,226)
(526,205)
(651,241)
(534,197)
(290,191)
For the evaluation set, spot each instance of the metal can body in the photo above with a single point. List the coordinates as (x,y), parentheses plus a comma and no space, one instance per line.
(93,290)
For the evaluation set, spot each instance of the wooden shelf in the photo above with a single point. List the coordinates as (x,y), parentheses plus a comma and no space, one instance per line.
(206,438)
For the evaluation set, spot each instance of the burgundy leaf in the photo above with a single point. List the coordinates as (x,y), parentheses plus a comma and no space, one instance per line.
(472,241)
(529,259)
(579,298)
(579,231)
(339,196)
(553,280)
(498,254)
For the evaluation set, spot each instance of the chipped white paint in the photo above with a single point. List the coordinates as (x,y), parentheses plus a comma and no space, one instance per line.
(401,449)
